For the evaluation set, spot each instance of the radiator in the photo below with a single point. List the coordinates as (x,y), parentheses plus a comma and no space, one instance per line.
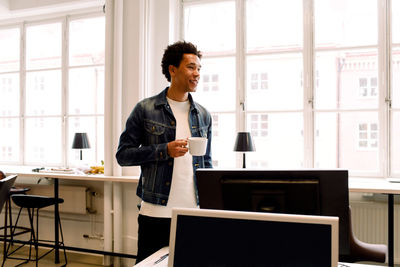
(74,197)
(370,224)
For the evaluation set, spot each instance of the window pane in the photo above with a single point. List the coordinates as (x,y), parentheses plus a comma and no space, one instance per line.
(396,77)
(43,93)
(345,79)
(9,94)
(87,41)
(396,21)
(43,46)
(211,26)
(224,86)
(9,140)
(223,140)
(262,18)
(283,80)
(341,23)
(86,91)
(283,146)
(341,142)
(93,126)
(43,141)
(10,46)
(395,144)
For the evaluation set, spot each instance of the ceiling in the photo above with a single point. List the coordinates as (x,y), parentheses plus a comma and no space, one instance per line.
(11,9)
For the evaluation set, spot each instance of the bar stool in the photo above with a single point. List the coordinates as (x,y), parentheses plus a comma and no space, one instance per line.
(32,203)
(8,221)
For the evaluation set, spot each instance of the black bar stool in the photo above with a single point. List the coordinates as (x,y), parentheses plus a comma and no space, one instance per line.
(8,221)
(32,203)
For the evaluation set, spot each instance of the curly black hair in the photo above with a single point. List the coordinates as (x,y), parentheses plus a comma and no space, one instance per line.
(173,55)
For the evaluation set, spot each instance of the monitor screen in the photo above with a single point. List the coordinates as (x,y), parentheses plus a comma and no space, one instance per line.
(308,192)
(202,237)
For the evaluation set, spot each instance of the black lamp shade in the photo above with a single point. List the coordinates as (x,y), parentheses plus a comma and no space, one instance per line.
(244,143)
(81,141)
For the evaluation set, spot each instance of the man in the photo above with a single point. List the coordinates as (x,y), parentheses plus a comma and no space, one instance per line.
(155,138)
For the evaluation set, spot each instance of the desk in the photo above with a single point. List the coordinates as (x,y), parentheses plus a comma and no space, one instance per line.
(380,186)
(83,177)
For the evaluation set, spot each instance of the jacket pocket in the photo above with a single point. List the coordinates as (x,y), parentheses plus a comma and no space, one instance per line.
(153,131)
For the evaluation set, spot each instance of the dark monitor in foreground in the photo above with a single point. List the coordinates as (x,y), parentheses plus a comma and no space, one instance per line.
(307,192)
(201,237)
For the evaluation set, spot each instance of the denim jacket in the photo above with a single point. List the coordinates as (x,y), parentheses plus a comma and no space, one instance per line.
(149,128)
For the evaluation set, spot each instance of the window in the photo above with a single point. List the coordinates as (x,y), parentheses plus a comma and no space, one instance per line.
(51,89)
(368,135)
(259,125)
(215,125)
(210,82)
(368,87)
(259,81)
(310,120)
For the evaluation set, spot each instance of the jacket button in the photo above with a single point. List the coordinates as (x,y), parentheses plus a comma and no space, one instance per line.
(153,129)
(161,154)
(163,201)
(167,183)
(172,123)
(170,163)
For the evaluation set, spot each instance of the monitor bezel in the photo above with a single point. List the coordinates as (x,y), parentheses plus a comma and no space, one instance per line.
(244,215)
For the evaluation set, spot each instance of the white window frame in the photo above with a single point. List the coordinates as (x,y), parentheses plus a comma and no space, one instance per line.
(64,18)
(310,80)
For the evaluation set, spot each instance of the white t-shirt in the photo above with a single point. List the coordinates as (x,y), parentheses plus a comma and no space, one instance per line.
(182,192)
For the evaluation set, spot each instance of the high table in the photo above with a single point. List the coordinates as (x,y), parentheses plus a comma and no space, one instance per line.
(380,186)
(65,176)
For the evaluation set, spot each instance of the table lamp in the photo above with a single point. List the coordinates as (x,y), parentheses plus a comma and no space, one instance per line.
(244,143)
(81,141)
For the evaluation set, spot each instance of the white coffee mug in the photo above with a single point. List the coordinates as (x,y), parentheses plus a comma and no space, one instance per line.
(197,146)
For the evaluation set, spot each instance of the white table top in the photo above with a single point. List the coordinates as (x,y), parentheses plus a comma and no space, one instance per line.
(72,176)
(373,185)
(356,184)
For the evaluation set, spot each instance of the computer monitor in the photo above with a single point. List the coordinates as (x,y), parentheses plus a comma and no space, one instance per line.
(202,237)
(308,192)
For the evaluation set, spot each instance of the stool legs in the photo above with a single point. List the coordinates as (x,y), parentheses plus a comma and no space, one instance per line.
(33,239)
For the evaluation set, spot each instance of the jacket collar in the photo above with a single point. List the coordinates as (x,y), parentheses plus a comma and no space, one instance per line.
(161,100)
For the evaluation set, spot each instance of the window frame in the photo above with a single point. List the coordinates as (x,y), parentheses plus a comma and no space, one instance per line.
(310,79)
(22,24)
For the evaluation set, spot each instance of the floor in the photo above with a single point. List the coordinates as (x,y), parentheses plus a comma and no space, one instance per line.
(74,260)
(49,262)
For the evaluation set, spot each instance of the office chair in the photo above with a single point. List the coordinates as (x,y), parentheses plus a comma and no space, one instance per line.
(5,187)
(362,251)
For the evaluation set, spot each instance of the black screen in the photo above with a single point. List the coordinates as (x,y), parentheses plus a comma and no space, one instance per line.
(226,242)
(308,192)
